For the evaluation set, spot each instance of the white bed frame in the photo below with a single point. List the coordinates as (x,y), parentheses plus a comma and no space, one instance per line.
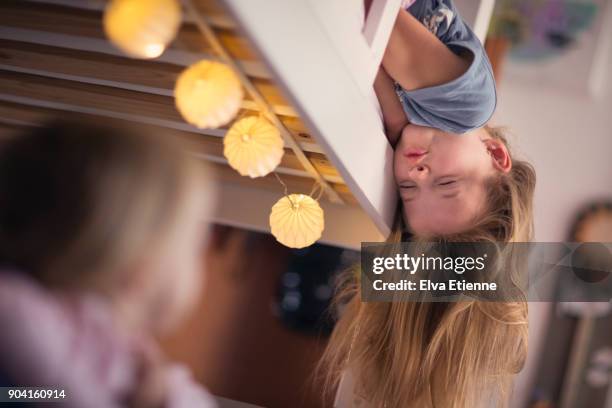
(326,59)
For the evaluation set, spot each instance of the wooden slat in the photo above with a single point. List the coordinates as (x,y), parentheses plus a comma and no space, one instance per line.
(88,96)
(50,18)
(173,55)
(190,38)
(116,71)
(18,116)
(212,7)
(225,174)
(295,184)
(96,66)
(215,14)
(109,101)
(87,23)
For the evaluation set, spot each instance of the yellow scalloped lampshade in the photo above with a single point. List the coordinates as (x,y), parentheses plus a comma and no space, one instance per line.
(297,221)
(208,94)
(253,146)
(142,29)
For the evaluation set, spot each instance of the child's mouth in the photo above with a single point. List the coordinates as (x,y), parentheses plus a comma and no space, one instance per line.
(415,153)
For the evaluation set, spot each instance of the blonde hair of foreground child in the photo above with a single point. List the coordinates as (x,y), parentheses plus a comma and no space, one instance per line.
(418,354)
(113,210)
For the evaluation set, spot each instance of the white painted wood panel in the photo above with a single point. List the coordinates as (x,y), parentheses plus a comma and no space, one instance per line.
(296,44)
(378,26)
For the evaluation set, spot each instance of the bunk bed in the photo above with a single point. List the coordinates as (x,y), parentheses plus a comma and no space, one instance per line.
(311,62)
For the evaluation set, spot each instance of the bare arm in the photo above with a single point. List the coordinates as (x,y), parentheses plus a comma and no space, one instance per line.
(394,116)
(416,58)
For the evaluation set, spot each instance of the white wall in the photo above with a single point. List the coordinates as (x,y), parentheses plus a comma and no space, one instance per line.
(567,136)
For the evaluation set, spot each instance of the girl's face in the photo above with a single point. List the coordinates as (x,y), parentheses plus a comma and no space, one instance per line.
(442,177)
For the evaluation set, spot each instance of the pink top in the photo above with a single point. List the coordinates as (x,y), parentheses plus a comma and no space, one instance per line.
(74,344)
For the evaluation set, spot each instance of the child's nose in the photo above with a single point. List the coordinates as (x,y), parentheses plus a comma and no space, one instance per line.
(419,172)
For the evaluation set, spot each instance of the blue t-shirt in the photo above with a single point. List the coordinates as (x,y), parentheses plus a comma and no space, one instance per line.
(465,103)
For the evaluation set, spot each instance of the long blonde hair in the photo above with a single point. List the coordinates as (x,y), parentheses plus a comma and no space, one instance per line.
(79,202)
(419,354)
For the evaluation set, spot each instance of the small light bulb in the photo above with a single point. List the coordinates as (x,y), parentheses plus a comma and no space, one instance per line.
(142,29)
(253,146)
(208,94)
(154,50)
(297,221)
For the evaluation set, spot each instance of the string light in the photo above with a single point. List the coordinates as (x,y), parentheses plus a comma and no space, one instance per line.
(253,146)
(208,94)
(142,29)
(297,221)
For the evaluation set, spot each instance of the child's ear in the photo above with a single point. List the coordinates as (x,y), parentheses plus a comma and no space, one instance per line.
(500,155)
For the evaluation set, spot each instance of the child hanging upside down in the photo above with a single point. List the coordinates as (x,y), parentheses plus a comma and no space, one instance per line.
(458,183)
(437,93)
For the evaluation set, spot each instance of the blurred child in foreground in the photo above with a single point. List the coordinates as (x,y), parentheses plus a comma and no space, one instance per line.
(101,230)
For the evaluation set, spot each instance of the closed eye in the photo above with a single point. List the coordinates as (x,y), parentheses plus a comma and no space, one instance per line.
(447,181)
(406,185)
